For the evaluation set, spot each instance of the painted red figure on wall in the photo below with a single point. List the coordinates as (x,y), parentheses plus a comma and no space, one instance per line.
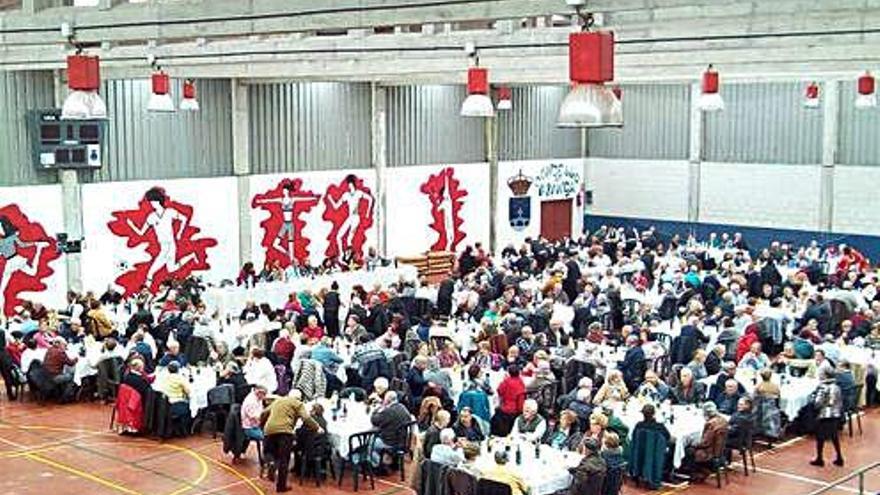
(282,231)
(446,195)
(348,206)
(165,226)
(25,254)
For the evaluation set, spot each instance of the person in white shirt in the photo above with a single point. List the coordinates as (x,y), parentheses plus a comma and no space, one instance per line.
(258,370)
(530,425)
(447,452)
(31,354)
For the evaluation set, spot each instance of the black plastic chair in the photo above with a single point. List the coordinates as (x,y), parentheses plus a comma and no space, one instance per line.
(220,399)
(314,457)
(360,449)
(719,467)
(399,454)
(614,477)
(461,482)
(745,447)
(360,395)
(489,487)
(854,411)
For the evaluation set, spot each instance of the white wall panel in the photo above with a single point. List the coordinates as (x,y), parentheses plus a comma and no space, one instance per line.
(639,188)
(42,205)
(532,169)
(409,229)
(856,201)
(760,195)
(316,229)
(215,214)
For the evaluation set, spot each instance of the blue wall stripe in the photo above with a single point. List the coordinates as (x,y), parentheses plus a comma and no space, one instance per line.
(756,237)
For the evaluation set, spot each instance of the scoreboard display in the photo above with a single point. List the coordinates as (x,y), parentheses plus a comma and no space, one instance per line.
(61,143)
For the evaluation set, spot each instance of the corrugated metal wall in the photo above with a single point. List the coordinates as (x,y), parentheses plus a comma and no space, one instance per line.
(656,125)
(21,92)
(309,126)
(764,123)
(424,127)
(859,138)
(148,145)
(528,131)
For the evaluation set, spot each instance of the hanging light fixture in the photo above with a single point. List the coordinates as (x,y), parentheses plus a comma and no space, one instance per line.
(189,101)
(590,103)
(160,96)
(477,103)
(811,95)
(867,97)
(505,98)
(710,100)
(83,80)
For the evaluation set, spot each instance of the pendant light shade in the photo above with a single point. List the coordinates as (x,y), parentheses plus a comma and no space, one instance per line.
(590,103)
(189,101)
(83,81)
(477,103)
(505,98)
(811,95)
(866,97)
(160,96)
(710,100)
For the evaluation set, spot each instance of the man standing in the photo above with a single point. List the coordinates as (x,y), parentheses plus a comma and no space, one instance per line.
(280,421)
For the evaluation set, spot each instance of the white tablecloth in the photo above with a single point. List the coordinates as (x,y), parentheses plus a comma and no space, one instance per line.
(794,391)
(686,429)
(354,420)
(231,300)
(201,380)
(543,476)
(84,364)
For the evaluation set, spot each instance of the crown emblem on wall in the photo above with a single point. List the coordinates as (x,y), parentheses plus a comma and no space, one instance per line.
(519,184)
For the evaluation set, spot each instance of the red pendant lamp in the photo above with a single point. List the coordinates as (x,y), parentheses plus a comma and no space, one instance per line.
(590,103)
(477,103)
(189,101)
(811,95)
(83,81)
(866,87)
(505,98)
(710,100)
(160,95)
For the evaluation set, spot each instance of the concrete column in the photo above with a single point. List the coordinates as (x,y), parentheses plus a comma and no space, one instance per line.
(491,135)
(241,165)
(695,155)
(71,204)
(830,129)
(379,150)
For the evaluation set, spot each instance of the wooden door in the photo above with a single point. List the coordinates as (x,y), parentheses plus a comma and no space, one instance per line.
(556,219)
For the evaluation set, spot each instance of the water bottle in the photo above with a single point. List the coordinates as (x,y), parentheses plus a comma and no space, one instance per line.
(537,450)
(518,455)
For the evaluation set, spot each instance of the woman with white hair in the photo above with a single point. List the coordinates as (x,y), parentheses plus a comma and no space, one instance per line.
(447,451)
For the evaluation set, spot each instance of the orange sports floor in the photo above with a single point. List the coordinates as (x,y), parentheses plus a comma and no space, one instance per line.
(69,450)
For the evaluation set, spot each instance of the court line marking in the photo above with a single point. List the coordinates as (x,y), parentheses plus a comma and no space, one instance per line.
(396,485)
(804,479)
(81,474)
(188,485)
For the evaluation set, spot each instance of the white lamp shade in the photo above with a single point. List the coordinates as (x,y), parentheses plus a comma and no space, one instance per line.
(866,101)
(504,105)
(477,105)
(590,105)
(81,105)
(811,102)
(710,102)
(160,103)
(189,104)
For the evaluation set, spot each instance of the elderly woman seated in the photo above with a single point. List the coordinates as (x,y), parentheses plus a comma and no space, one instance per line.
(613,390)
(566,435)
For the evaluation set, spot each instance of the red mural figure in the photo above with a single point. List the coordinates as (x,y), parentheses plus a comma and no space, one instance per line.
(282,231)
(164,225)
(447,197)
(25,254)
(348,206)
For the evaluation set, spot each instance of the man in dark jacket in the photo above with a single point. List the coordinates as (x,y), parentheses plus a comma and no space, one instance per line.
(389,420)
(331,310)
(633,366)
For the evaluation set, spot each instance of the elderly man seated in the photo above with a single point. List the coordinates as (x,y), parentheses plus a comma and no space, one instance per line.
(173,354)
(56,360)
(530,424)
(389,420)
(502,473)
(754,359)
(711,444)
(727,400)
(447,451)
(584,383)
(653,389)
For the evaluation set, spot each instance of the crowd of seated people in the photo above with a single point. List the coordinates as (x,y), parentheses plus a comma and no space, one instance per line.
(634,312)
